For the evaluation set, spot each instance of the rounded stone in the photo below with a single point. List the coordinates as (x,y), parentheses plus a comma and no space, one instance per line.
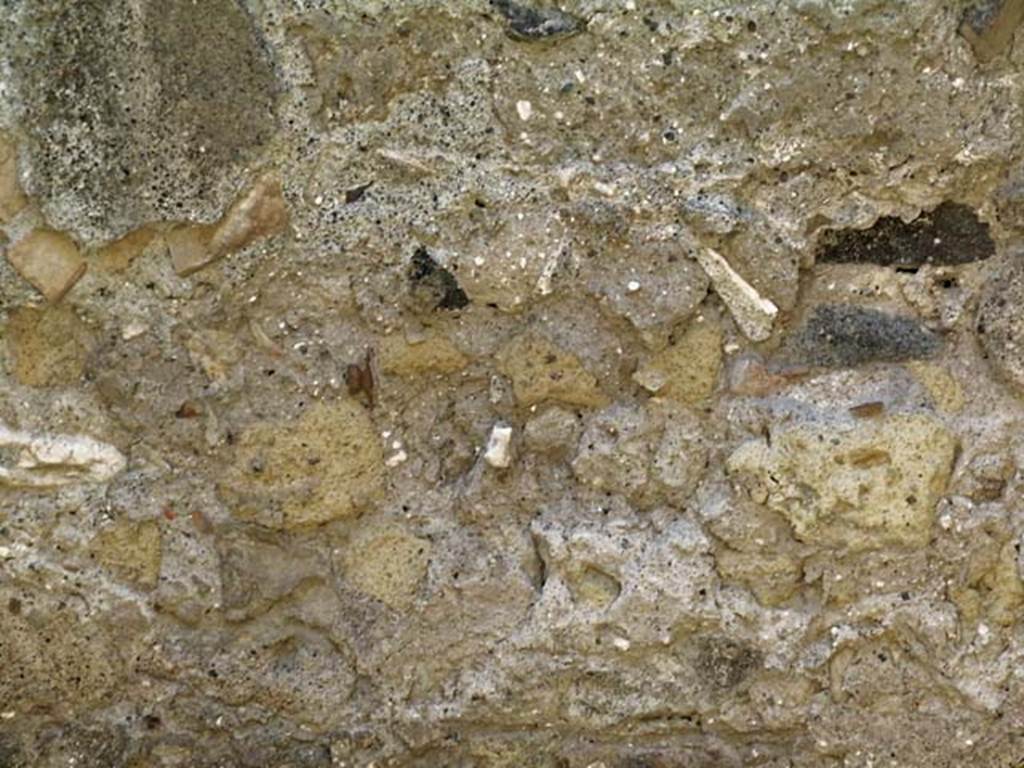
(136,111)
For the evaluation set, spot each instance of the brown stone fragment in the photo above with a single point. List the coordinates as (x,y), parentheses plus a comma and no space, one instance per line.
(49,260)
(189,245)
(260,212)
(12,199)
(118,255)
(989,26)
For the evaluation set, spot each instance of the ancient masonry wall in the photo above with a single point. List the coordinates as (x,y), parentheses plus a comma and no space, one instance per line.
(470,383)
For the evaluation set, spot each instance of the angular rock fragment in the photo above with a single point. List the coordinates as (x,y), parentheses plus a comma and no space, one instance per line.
(118,254)
(435,283)
(753,313)
(1000,324)
(688,369)
(12,199)
(50,461)
(387,563)
(541,372)
(49,260)
(536,24)
(862,486)
(47,346)
(844,336)
(950,234)
(131,550)
(432,353)
(259,213)
(325,466)
(989,26)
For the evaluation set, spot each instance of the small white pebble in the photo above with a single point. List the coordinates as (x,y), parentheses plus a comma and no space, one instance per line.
(633,286)
(525,110)
(5,553)
(621,643)
(8,715)
(732,347)
(498,453)
(396,459)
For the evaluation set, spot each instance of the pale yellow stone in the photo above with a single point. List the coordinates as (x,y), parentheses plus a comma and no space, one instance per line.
(688,370)
(49,260)
(131,551)
(773,577)
(945,390)
(434,354)
(45,346)
(387,563)
(12,199)
(118,255)
(859,486)
(325,466)
(542,372)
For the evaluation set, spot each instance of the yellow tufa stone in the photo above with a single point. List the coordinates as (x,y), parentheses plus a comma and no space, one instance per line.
(12,199)
(542,372)
(46,346)
(387,563)
(861,487)
(117,255)
(49,260)
(434,354)
(326,466)
(131,551)
(688,370)
(945,391)
(260,212)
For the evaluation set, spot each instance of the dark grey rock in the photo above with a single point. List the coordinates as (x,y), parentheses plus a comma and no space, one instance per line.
(844,336)
(950,234)
(136,111)
(532,24)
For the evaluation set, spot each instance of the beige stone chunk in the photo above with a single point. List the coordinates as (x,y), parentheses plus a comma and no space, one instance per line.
(434,354)
(387,563)
(131,551)
(46,346)
(12,199)
(325,466)
(542,372)
(945,391)
(753,313)
(117,255)
(189,246)
(49,260)
(44,461)
(688,370)
(862,486)
(990,31)
(772,577)
(260,212)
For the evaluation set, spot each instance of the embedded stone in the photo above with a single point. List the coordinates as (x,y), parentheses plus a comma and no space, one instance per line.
(868,485)
(49,260)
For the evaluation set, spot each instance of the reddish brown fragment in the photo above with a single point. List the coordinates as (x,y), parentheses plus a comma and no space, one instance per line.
(868,410)
(188,410)
(201,521)
(359,378)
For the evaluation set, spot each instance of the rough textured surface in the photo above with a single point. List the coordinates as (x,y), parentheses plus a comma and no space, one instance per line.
(577,384)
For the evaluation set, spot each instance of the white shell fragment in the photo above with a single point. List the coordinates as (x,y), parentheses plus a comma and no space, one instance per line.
(753,313)
(499,447)
(49,461)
